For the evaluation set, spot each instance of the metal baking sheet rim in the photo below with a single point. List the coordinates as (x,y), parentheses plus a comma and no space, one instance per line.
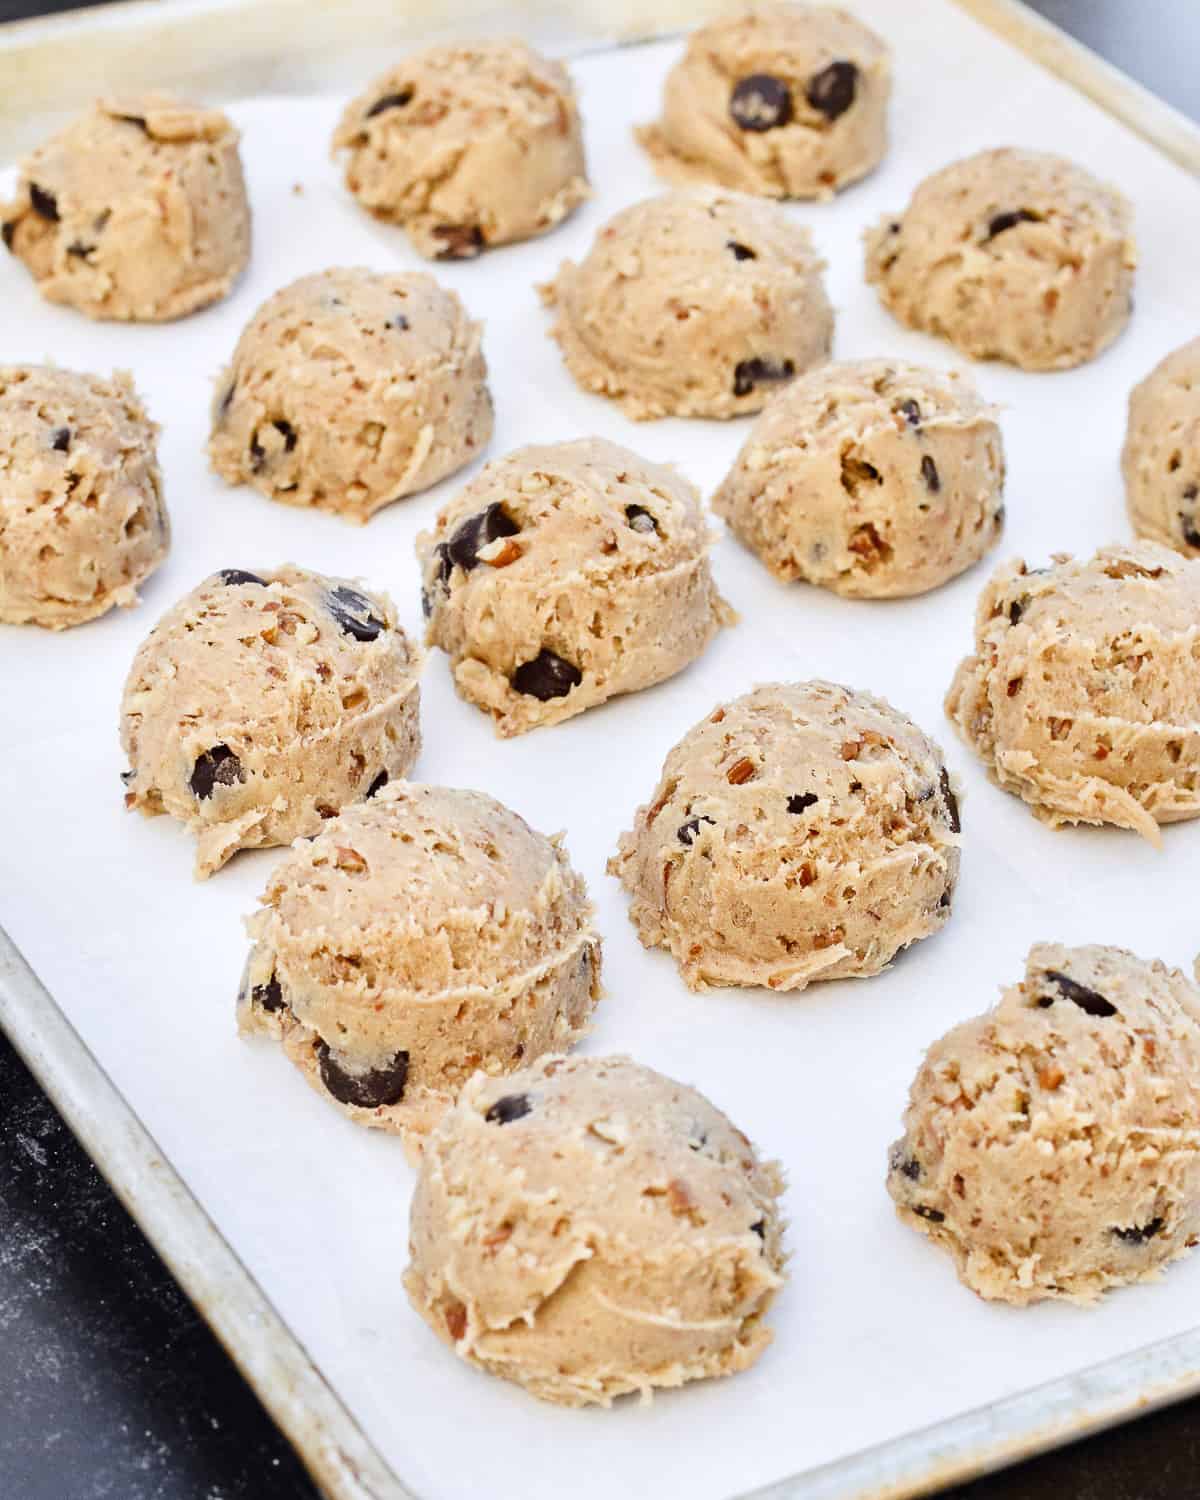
(338,1455)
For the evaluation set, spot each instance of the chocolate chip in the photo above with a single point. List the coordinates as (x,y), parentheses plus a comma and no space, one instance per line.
(831,91)
(227,399)
(368,1090)
(389,101)
(1191,492)
(911,413)
(138,120)
(511,1107)
(801,801)
(688,831)
(352,611)
(640,519)
(377,785)
(426,603)
(944,899)
(60,439)
(934,1215)
(930,475)
(268,996)
(760,1229)
(7,230)
(546,676)
(127,777)
(1141,1233)
(1016,609)
(287,432)
(950,800)
(216,767)
(400,323)
(1092,1002)
(910,1167)
(231,577)
(760,102)
(475,533)
(78,249)
(1187,525)
(749,372)
(258,455)
(1010,220)
(740,252)
(44,204)
(459,241)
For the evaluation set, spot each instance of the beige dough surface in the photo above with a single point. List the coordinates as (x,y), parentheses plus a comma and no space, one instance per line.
(589,1228)
(693,304)
(874,479)
(422,935)
(261,703)
(82,516)
(1052,1144)
(467,145)
(1083,694)
(1161,457)
(1013,255)
(349,389)
(136,211)
(801,832)
(566,574)
(788,101)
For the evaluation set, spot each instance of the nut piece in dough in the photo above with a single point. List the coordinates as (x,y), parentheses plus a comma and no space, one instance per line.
(693,304)
(788,101)
(422,935)
(1083,696)
(137,211)
(262,703)
(588,1228)
(1050,1144)
(566,574)
(466,146)
(875,479)
(82,517)
(801,832)
(1013,255)
(1161,457)
(349,389)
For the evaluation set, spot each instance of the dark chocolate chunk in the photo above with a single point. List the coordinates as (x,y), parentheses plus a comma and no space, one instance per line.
(740,252)
(370,1090)
(760,102)
(640,519)
(476,532)
(127,777)
(950,800)
(459,241)
(944,899)
(1016,609)
(911,413)
(377,785)
(930,475)
(258,455)
(287,432)
(511,1107)
(268,996)
(44,204)
(910,1167)
(689,830)
(801,801)
(216,767)
(60,439)
(352,611)
(400,323)
(7,230)
(546,676)
(389,101)
(750,372)
(78,249)
(1010,220)
(231,577)
(1092,1002)
(831,91)
(1141,1232)
(760,1229)
(1188,528)
(445,566)
(426,603)
(934,1215)
(138,120)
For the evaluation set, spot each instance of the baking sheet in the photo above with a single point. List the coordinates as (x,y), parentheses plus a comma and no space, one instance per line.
(874,1336)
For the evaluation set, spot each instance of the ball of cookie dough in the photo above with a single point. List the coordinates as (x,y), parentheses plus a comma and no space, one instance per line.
(1013,255)
(693,304)
(789,101)
(422,935)
(1082,695)
(564,575)
(82,516)
(801,832)
(262,703)
(350,389)
(1161,457)
(137,211)
(1049,1144)
(874,479)
(588,1228)
(466,146)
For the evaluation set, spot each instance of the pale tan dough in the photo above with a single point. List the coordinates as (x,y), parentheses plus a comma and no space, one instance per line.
(262,703)
(1013,255)
(467,145)
(82,516)
(136,211)
(1083,694)
(422,935)
(789,101)
(693,304)
(801,832)
(589,1228)
(349,389)
(565,574)
(875,479)
(1052,1144)
(1161,457)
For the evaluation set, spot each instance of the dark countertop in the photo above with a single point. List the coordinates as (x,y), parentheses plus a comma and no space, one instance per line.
(110,1383)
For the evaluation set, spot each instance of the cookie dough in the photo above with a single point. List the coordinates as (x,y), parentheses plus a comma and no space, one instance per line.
(466,146)
(350,389)
(1161,457)
(262,703)
(789,101)
(588,1228)
(137,211)
(696,304)
(1050,1145)
(82,516)
(1083,695)
(874,479)
(801,832)
(564,575)
(422,935)
(1013,255)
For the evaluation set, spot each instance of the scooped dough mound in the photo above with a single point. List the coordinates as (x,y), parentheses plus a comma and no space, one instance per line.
(588,1228)
(801,832)
(1161,458)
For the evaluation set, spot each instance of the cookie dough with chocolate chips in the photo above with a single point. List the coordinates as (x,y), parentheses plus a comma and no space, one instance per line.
(422,935)
(875,479)
(1050,1144)
(262,703)
(589,1228)
(693,304)
(1161,457)
(801,832)
(1082,696)
(467,145)
(136,211)
(82,516)
(566,574)
(349,389)
(1013,255)
(788,101)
